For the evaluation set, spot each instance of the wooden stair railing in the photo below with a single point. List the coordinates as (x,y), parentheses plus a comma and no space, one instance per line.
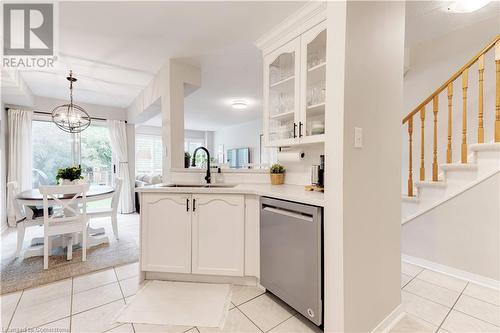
(434,97)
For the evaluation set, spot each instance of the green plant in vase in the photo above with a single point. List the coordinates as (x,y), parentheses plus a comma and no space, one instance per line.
(70,175)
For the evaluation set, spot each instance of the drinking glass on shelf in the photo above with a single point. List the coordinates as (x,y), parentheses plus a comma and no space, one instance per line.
(274,74)
(286,65)
(315,95)
(312,95)
(274,104)
(289,102)
(322,95)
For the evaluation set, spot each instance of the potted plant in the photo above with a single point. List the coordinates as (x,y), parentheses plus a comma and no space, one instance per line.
(277,172)
(67,176)
(187,159)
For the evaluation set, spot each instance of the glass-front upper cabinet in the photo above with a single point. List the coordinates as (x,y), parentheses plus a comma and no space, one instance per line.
(313,88)
(281,94)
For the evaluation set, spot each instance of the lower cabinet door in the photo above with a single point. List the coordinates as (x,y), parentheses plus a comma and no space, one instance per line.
(218,234)
(166,232)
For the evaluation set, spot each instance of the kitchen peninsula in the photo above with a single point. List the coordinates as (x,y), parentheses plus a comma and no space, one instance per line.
(192,232)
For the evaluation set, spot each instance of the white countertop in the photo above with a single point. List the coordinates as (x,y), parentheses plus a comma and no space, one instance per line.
(295,193)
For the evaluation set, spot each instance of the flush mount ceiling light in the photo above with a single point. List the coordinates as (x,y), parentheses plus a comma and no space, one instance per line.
(70,117)
(467,6)
(239,105)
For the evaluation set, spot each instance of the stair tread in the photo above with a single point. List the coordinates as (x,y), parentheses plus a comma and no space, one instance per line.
(406,198)
(494,146)
(459,166)
(429,183)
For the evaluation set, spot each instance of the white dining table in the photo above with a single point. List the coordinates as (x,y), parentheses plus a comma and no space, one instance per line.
(32,198)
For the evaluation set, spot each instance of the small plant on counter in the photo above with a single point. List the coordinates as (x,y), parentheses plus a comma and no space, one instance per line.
(69,175)
(277,168)
(277,174)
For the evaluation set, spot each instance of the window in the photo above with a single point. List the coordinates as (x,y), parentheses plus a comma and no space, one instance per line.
(148,154)
(54,149)
(96,155)
(190,146)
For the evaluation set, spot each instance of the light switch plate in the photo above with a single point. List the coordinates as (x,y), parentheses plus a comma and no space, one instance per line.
(358,137)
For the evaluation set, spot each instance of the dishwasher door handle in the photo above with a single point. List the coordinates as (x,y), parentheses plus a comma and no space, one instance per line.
(288,213)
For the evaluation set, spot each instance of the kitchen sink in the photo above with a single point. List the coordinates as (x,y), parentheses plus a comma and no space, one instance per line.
(199,185)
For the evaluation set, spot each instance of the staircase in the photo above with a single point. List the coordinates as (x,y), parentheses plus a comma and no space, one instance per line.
(479,155)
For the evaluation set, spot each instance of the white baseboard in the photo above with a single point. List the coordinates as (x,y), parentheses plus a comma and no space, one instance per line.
(391,320)
(458,273)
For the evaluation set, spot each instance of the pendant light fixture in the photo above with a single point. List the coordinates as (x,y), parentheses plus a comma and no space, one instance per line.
(70,117)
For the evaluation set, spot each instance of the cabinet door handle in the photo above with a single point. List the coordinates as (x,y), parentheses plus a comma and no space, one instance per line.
(294,130)
(194,205)
(187,205)
(300,129)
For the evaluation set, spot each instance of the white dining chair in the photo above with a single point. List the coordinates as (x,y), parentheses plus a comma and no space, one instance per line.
(22,220)
(67,218)
(111,211)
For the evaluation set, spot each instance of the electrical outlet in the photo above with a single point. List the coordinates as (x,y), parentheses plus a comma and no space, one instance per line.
(358,137)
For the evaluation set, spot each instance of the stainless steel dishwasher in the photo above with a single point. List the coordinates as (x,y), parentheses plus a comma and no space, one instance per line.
(291,265)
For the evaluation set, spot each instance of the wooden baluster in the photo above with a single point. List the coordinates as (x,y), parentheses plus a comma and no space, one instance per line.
(480,129)
(422,143)
(497,106)
(435,106)
(465,82)
(450,108)
(410,158)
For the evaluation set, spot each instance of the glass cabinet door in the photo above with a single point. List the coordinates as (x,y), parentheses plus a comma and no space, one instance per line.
(313,86)
(281,87)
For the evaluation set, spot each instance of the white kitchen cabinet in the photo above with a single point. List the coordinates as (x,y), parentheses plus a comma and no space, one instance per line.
(166,232)
(313,84)
(218,234)
(295,81)
(281,94)
(193,233)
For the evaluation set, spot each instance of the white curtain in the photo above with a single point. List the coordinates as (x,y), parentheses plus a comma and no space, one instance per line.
(118,138)
(19,167)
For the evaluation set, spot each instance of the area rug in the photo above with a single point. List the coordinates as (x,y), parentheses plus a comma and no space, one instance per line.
(178,304)
(18,274)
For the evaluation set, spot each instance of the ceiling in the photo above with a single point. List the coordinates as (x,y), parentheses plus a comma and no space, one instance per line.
(115,48)
(427,20)
(233,73)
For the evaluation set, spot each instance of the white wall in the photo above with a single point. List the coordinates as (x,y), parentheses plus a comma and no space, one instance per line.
(240,136)
(431,64)
(151,130)
(463,233)
(365,54)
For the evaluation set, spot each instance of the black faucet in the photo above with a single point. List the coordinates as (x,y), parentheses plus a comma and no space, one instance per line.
(193,164)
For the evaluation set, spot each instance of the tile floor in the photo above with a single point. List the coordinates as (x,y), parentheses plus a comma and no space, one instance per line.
(88,303)
(434,303)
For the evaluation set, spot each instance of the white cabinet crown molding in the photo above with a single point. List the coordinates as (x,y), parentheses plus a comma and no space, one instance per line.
(312,13)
